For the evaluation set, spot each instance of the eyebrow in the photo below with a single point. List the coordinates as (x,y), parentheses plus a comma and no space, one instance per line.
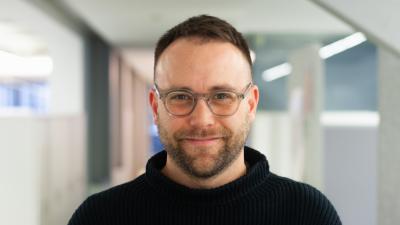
(222,87)
(213,88)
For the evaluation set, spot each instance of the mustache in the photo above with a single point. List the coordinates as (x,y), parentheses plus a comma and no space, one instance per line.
(202,133)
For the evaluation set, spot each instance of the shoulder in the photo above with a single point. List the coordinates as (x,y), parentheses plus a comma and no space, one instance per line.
(303,200)
(106,204)
(291,187)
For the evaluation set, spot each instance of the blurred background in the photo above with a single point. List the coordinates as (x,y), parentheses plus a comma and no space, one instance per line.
(75,120)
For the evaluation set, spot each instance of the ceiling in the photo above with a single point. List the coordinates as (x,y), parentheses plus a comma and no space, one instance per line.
(378,20)
(273,27)
(139,23)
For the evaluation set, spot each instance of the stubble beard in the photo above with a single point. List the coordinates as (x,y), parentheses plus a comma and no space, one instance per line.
(226,153)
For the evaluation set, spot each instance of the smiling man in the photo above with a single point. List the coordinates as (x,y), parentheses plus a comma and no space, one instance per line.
(203,103)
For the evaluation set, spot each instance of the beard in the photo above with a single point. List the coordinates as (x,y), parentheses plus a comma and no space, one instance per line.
(191,158)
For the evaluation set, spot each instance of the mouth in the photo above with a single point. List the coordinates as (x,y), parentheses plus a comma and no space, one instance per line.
(202,141)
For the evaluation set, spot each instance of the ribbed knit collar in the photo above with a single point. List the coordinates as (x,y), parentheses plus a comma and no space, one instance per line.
(257,173)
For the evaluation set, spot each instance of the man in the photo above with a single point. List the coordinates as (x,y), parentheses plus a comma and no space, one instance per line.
(203,103)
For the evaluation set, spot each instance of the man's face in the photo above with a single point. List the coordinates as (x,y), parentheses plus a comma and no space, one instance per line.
(202,144)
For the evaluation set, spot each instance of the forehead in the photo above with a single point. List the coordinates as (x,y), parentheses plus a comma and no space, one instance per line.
(202,65)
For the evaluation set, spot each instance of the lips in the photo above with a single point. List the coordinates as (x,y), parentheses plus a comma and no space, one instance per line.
(202,140)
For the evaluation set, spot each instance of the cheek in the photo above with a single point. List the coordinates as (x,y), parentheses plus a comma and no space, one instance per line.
(162,115)
(169,123)
(237,121)
(243,112)
(231,123)
(246,113)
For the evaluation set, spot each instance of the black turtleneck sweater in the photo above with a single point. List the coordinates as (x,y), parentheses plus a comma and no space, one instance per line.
(259,197)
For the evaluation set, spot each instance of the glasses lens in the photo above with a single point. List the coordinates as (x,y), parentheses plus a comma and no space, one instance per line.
(224,103)
(179,102)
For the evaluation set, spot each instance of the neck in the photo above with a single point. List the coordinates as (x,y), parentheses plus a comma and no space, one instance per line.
(229,174)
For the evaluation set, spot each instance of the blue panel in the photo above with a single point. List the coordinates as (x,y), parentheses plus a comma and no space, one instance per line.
(351,79)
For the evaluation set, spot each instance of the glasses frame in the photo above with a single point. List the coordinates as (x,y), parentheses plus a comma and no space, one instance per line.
(206,97)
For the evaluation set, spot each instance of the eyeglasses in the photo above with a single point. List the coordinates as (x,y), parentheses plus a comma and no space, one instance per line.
(181,102)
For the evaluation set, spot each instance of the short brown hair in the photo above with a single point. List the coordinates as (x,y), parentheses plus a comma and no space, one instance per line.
(206,28)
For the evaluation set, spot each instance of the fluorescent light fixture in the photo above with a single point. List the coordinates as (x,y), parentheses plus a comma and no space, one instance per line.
(324,52)
(342,45)
(16,66)
(276,72)
(20,41)
(349,118)
(252,56)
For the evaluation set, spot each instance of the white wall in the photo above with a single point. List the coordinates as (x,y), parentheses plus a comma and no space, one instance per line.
(389,139)
(351,172)
(21,148)
(270,134)
(305,103)
(43,160)
(42,169)
(63,168)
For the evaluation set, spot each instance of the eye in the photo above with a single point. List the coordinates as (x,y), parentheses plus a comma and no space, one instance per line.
(179,97)
(223,96)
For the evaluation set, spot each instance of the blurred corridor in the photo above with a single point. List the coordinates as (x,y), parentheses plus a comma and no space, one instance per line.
(75,119)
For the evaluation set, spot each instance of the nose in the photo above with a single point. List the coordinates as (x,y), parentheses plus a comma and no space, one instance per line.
(202,115)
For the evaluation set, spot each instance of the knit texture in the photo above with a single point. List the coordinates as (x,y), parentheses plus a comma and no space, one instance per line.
(259,197)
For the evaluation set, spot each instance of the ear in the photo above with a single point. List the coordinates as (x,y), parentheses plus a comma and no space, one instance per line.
(252,101)
(153,99)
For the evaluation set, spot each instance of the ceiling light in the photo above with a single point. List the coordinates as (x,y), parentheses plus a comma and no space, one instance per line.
(325,52)
(17,66)
(15,39)
(252,56)
(276,72)
(342,45)
(350,118)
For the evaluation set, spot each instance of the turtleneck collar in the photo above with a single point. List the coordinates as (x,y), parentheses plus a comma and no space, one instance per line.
(257,173)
